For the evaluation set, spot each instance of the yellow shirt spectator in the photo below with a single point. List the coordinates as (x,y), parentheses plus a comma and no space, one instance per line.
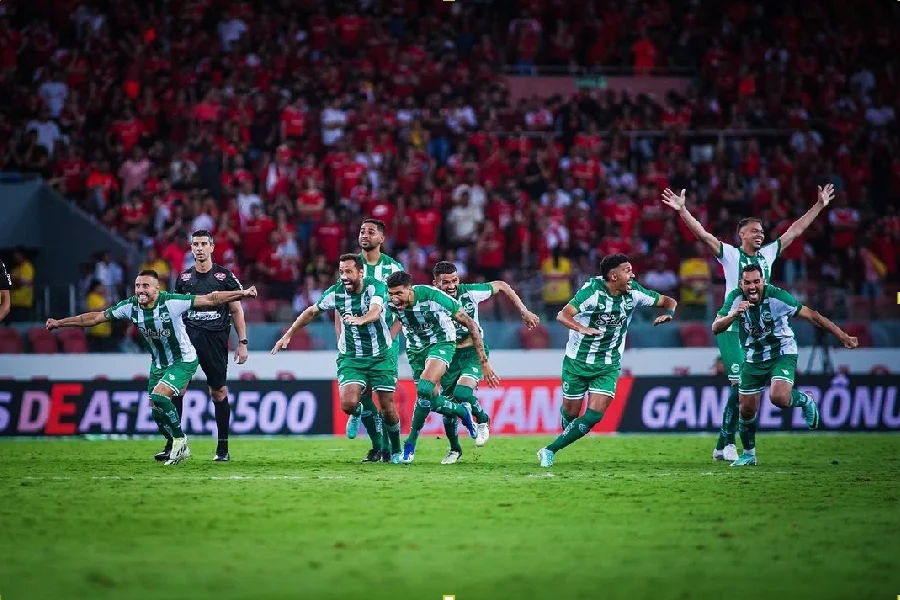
(22,294)
(161,267)
(96,302)
(557,280)
(696,277)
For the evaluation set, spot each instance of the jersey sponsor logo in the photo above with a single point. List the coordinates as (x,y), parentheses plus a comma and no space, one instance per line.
(202,315)
(154,335)
(612,319)
(220,276)
(185,276)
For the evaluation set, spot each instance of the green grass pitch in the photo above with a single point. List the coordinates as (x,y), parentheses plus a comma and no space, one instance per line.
(616,517)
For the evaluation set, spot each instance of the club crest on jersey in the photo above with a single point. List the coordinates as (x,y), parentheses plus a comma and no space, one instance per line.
(767,316)
(185,276)
(220,276)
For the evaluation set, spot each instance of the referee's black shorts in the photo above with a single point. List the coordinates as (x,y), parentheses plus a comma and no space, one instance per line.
(212,350)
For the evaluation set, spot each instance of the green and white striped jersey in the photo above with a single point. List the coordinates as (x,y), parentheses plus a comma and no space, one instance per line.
(381,270)
(734,259)
(429,319)
(359,341)
(161,326)
(469,295)
(599,309)
(764,329)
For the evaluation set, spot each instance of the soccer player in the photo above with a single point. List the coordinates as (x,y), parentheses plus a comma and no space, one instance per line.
(366,360)
(158,316)
(426,315)
(209,331)
(379,266)
(464,372)
(5,287)
(751,251)
(762,312)
(598,317)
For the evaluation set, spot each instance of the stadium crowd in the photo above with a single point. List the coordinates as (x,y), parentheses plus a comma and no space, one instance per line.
(280,124)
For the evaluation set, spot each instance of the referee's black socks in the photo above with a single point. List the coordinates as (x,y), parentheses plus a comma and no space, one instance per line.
(223,418)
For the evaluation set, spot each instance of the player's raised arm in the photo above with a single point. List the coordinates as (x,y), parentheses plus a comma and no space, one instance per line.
(668,305)
(530,319)
(678,204)
(219,298)
(828,325)
(83,320)
(728,315)
(472,327)
(826,195)
(305,318)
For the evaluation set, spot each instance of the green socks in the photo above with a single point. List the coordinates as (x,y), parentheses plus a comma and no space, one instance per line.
(162,422)
(451,426)
(393,436)
(798,398)
(448,408)
(748,432)
(368,412)
(566,418)
(466,394)
(729,420)
(420,415)
(169,416)
(576,430)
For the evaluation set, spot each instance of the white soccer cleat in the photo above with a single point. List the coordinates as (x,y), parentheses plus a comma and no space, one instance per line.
(730,453)
(180,451)
(451,457)
(718,454)
(484,433)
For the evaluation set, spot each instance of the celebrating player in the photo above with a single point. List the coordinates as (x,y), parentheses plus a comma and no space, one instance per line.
(209,331)
(751,251)
(5,287)
(426,315)
(598,317)
(366,360)
(379,266)
(462,376)
(761,312)
(158,316)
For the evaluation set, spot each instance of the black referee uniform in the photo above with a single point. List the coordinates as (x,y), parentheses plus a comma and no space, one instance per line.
(5,284)
(209,330)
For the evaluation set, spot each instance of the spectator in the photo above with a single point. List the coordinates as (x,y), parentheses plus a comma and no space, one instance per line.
(100,337)
(21,298)
(110,275)
(134,172)
(696,279)
(462,221)
(48,132)
(557,274)
(490,252)
(154,262)
(661,278)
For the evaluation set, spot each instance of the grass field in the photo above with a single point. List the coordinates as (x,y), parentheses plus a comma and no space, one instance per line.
(617,517)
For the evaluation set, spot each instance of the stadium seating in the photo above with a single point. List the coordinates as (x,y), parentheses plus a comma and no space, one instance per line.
(301,340)
(10,341)
(73,340)
(534,339)
(860,331)
(695,335)
(42,341)
(254,310)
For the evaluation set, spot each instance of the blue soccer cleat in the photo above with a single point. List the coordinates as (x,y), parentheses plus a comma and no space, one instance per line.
(409,453)
(546,457)
(746,460)
(468,421)
(353,426)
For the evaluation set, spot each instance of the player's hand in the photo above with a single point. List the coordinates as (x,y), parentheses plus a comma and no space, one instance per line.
(741,308)
(488,372)
(662,319)
(826,194)
(52,324)
(590,331)
(530,319)
(281,344)
(673,200)
(240,354)
(251,292)
(349,320)
(850,342)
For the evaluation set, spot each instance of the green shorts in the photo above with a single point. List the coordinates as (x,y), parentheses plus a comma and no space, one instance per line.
(417,358)
(579,377)
(756,376)
(732,354)
(176,376)
(378,373)
(465,363)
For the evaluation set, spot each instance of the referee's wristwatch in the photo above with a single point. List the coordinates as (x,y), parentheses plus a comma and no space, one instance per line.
(244,342)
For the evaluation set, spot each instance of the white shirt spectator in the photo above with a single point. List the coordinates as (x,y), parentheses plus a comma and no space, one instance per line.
(661,281)
(864,79)
(462,222)
(461,118)
(562,198)
(556,235)
(54,94)
(111,276)
(203,221)
(246,202)
(880,116)
(477,197)
(231,31)
(809,141)
(301,302)
(47,131)
(333,122)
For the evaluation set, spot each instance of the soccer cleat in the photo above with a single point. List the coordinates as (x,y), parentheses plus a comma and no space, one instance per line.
(546,457)
(484,432)
(373,456)
(180,451)
(718,454)
(385,456)
(222,457)
(353,426)
(811,412)
(468,421)
(395,459)
(745,460)
(163,455)
(409,453)
(451,457)
(730,452)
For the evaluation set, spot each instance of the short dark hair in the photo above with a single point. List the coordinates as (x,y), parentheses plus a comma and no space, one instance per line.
(747,221)
(356,258)
(149,273)
(749,268)
(444,267)
(611,262)
(399,279)
(204,233)
(378,223)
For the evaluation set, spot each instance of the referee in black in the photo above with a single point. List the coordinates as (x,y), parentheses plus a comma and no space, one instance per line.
(5,287)
(209,330)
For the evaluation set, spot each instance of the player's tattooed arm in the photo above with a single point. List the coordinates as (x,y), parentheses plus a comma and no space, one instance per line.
(478,342)
(724,322)
(83,320)
(828,325)
(371,316)
(678,202)
(530,319)
(567,317)
(668,305)
(305,318)
(219,298)
(826,195)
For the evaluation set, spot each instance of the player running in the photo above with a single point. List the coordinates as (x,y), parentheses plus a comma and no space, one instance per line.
(761,313)
(751,251)
(209,331)
(366,360)
(464,372)
(379,266)
(598,317)
(426,315)
(158,316)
